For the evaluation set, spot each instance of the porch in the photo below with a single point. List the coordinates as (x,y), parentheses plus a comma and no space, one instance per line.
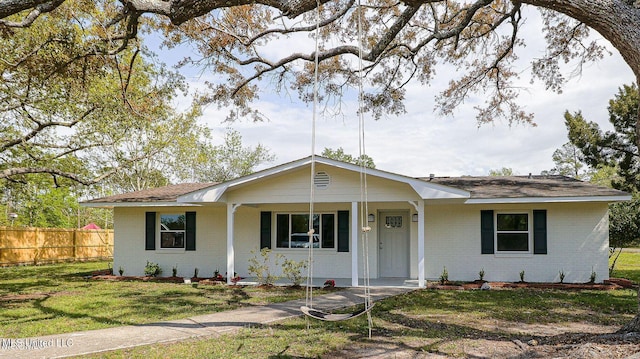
(346,282)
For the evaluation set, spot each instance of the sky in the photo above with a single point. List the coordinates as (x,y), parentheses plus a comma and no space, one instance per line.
(420,142)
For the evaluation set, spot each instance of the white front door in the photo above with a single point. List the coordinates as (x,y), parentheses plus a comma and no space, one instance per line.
(393,244)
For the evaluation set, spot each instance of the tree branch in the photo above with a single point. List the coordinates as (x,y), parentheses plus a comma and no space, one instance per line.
(11,7)
(41,127)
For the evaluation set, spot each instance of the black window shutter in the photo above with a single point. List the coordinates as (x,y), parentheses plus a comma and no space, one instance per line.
(486,232)
(190,231)
(265,230)
(540,231)
(150,231)
(343,231)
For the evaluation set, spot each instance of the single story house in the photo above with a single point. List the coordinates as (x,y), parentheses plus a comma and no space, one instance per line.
(543,225)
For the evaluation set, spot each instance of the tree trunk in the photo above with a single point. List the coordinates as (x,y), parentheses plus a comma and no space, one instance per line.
(619,22)
(634,325)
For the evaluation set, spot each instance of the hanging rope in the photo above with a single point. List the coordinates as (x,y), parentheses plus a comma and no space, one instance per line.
(364,204)
(364,200)
(309,288)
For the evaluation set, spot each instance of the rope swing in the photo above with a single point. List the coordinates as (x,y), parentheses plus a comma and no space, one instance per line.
(308,309)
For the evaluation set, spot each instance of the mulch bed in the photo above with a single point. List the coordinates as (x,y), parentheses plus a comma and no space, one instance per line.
(610,284)
(156,279)
(206,281)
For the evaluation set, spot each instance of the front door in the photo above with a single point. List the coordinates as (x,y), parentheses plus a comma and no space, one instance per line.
(393,244)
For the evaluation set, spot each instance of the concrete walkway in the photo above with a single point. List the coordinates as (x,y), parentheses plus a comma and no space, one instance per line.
(209,325)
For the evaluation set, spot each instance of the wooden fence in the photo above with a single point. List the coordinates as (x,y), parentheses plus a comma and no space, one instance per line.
(46,245)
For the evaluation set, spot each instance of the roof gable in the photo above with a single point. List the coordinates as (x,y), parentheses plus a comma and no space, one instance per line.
(423,189)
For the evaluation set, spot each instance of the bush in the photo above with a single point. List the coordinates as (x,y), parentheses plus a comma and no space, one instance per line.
(444,277)
(293,270)
(152,269)
(261,267)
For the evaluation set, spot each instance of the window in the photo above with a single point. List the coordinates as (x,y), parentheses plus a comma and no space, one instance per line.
(172,230)
(512,232)
(292,230)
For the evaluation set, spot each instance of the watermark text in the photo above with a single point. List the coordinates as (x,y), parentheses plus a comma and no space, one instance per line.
(34,343)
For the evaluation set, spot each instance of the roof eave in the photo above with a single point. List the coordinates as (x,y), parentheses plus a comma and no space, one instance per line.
(136,204)
(606,199)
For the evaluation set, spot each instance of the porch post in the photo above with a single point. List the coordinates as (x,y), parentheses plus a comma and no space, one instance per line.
(231,210)
(420,209)
(354,244)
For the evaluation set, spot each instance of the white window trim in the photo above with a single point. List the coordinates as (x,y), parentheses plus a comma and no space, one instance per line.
(159,247)
(528,253)
(274,232)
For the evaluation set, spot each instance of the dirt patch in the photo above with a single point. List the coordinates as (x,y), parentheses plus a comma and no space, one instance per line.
(521,341)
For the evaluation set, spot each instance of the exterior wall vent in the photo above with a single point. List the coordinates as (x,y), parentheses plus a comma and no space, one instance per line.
(322,180)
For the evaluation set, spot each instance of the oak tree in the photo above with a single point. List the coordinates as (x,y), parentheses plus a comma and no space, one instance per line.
(402,42)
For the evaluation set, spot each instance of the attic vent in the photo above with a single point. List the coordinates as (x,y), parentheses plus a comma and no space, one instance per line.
(322,180)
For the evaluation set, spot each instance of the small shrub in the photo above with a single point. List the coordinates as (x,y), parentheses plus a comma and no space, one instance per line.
(329,283)
(444,277)
(152,269)
(261,267)
(293,270)
(120,271)
(195,272)
(522,275)
(592,278)
(561,274)
(481,274)
(174,271)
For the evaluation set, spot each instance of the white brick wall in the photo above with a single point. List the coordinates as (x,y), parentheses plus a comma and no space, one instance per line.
(577,242)
(129,246)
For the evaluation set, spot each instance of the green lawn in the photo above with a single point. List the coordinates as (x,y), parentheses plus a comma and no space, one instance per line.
(56,299)
(628,266)
(41,300)
(424,321)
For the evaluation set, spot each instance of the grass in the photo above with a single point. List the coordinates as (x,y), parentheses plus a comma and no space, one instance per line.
(628,266)
(53,299)
(424,320)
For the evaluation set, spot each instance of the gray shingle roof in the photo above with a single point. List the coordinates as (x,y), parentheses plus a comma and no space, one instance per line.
(160,194)
(490,187)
